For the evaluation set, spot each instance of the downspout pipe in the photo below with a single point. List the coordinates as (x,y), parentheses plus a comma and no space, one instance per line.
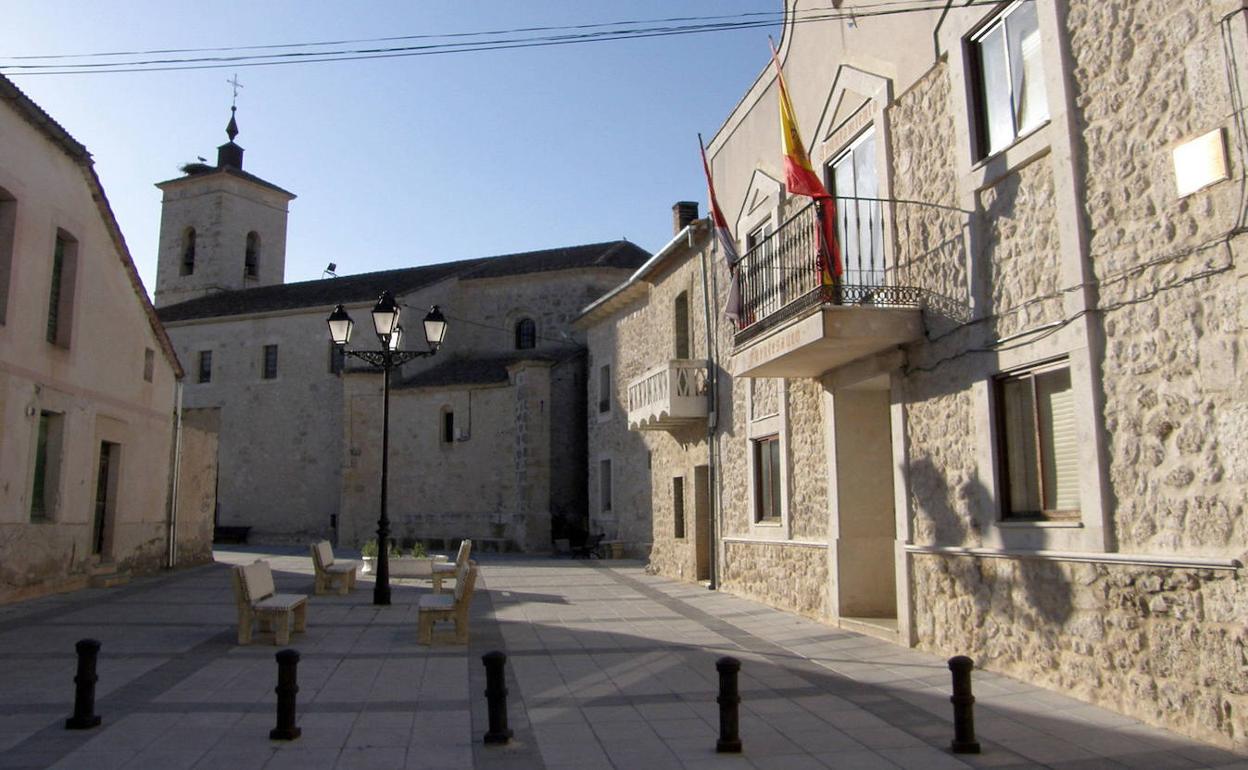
(172,556)
(936,31)
(712,412)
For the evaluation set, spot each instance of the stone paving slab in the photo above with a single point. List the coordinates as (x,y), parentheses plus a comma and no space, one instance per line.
(608,667)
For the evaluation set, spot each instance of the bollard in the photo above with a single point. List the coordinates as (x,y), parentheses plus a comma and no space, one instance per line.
(963,706)
(287,688)
(84,716)
(496,697)
(729,698)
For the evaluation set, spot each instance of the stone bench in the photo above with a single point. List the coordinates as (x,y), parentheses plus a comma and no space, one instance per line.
(261,608)
(442,570)
(328,570)
(454,607)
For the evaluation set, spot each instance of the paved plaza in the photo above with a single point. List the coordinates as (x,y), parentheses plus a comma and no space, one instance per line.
(608,667)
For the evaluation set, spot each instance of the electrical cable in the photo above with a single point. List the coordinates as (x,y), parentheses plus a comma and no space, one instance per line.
(362,54)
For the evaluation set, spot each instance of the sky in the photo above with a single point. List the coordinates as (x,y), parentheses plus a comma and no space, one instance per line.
(402,161)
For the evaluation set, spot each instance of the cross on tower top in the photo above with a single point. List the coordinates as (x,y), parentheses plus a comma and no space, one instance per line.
(237,85)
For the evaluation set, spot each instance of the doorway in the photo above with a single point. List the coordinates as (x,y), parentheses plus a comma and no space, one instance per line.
(866,523)
(105,499)
(702,522)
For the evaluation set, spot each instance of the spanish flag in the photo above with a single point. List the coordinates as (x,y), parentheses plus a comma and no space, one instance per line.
(800,179)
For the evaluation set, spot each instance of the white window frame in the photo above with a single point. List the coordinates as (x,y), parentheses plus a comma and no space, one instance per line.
(853,262)
(1035,433)
(761,427)
(980,96)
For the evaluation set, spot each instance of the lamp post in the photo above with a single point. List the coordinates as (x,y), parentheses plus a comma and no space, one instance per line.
(390,333)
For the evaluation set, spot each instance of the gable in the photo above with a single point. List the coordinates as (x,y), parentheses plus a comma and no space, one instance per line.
(764,194)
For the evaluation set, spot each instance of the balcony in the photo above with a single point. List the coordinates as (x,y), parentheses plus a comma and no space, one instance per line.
(668,397)
(793,325)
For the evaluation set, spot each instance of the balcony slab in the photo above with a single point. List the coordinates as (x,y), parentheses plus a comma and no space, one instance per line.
(826,339)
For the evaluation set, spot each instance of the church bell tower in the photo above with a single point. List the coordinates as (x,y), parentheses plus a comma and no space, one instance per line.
(221,228)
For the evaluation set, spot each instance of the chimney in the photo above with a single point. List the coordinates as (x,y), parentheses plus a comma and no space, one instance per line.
(683,213)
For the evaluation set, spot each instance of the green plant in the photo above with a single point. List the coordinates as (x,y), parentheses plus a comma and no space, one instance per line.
(418,550)
(369,549)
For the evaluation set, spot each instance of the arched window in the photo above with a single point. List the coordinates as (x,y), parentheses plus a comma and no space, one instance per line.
(526,334)
(251,260)
(188,251)
(680,323)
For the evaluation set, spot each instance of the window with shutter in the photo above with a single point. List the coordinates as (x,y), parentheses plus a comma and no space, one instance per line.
(1039,444)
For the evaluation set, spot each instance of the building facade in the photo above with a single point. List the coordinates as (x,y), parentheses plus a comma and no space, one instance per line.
(1014,428)
(485,437)
(88,380)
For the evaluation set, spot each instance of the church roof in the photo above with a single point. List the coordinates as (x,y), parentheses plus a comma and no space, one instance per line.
(469,371)
(197,170)
(366,287)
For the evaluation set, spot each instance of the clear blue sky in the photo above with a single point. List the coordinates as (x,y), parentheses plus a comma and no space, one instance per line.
(404,161)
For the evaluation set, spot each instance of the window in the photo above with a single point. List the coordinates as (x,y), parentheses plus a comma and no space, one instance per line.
(8,233)
(678,505)
(149,364)
(1039,444)
(337,358)
(604,486)
(768,276)
(61,290)
(859,223)
(1010,72)
(448,426)
(604,389)
(43,493)
(205,366)
(251,259)
(526,334)
(270,362)
(767,479)
(188,251)
(680,321)
(756,236)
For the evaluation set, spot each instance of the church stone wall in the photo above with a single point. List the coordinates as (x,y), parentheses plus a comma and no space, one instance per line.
(279,438)
(222,209)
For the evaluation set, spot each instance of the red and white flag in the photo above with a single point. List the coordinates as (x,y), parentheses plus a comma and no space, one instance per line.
(727,245)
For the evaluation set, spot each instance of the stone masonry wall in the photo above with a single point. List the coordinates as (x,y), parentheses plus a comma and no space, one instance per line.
(808,470)
(930,238)
(1021,249)
(793,578)
(1167,646)
(1174,368)
(1162,644)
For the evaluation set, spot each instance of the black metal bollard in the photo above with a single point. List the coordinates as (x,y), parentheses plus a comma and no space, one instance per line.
(84,691)
(963,706)
(729,699)
(496,697)
(287,688)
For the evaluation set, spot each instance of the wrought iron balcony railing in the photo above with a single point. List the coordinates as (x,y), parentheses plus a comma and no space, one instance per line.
(668,396)
(780,277)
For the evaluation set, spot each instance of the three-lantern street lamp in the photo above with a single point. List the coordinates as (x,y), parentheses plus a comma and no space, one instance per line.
(390,334)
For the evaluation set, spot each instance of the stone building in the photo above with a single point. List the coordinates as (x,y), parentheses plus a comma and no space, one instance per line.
(88,381)
(1015,428)
(485,437)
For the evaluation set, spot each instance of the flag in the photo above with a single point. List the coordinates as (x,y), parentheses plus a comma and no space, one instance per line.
(727,245)
(800,179)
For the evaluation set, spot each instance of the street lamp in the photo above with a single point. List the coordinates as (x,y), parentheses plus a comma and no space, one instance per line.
(386,323)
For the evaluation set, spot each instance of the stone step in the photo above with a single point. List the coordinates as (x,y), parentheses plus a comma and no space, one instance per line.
(106,575)
(110,580)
